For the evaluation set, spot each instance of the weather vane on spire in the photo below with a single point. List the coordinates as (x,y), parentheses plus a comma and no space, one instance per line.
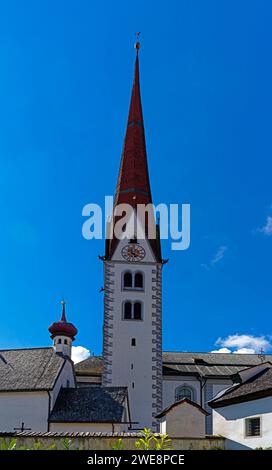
(137,43)
(63,313)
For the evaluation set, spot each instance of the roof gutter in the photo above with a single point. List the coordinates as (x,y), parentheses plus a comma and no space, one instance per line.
(49,411)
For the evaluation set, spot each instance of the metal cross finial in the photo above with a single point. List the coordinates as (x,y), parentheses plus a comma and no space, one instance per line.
(63,313)
(137,44)
(261,355)
(22,428)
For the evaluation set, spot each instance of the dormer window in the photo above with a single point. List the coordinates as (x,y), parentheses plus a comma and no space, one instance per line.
(200,361)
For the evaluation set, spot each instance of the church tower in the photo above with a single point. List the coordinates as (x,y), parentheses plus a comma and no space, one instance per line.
(132,331)
(63,334)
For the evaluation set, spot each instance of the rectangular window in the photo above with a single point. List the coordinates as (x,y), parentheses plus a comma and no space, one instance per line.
(253,427)
(133,342)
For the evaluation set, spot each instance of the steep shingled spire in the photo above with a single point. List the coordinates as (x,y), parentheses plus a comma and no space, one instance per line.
(133,186)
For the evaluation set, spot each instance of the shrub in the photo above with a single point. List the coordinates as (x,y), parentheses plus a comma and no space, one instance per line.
(149,441)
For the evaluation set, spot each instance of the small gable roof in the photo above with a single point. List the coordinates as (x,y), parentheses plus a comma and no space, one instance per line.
(179,403)
(29,369)
(90,405)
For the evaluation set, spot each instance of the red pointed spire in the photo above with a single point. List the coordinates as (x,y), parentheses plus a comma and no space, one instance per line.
(133,185)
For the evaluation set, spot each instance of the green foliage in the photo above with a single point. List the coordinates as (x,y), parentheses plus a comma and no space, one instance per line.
(263,448)
(149,441)
(163,442)
(11,445)
(37,446)
(117,445)
(66,444)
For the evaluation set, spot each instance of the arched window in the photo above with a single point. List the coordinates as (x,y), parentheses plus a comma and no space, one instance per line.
(65,341)
(137,310)
(184,392)
(128,311)
(59,341)
(133,280)
(127,280)
(138,281)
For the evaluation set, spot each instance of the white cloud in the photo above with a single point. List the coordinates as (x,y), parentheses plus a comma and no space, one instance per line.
(243,341)
(79,353)
(218,256)
(222,350)
(245,351)
(243,344)
(267,228)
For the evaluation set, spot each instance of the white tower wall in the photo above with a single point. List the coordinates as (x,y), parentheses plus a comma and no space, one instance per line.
(138,367)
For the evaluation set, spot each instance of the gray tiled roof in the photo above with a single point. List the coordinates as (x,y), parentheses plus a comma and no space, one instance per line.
(90,405)
(182,363)
(92,365)
(29,369)
(207,364)
(256,387)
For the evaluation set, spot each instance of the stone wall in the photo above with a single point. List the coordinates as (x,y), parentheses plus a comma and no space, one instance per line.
(104,441)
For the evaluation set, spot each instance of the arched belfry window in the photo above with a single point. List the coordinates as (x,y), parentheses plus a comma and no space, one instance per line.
(137,311)
(184,391)
(138,281)
(133,280)
(128,280)
(128,311)
(132,310)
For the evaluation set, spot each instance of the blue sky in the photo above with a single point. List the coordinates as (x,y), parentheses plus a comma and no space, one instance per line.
(66,76)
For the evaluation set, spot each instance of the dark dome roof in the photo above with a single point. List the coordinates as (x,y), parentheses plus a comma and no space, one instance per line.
(62,328)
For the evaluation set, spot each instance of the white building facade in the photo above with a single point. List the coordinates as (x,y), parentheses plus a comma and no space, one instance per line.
(243,412)
(245,425)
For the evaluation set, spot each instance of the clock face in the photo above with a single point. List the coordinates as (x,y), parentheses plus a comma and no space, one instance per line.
(133,252)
